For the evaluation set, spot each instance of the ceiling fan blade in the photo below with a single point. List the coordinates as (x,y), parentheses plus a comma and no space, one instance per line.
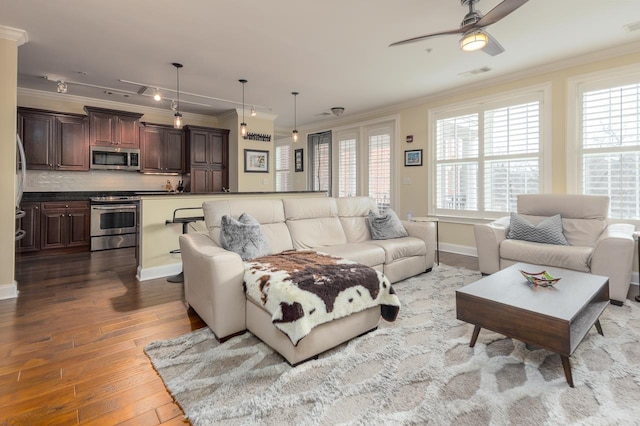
(492,48)
(499,12)
(424,37)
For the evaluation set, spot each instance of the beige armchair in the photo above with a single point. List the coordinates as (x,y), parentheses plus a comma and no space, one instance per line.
(595,246)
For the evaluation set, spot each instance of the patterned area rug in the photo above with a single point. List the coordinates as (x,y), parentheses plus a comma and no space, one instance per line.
(417,370)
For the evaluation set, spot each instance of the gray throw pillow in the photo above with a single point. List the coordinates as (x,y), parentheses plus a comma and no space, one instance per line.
(385,226)
(549,231)
(243,236)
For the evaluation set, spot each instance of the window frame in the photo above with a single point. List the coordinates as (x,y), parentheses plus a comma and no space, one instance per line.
(576,86)
(280,144)
(539,92)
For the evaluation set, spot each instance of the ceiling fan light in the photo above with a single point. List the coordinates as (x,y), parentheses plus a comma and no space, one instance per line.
(472,41)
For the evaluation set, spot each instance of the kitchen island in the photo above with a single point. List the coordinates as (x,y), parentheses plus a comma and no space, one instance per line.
(157,238)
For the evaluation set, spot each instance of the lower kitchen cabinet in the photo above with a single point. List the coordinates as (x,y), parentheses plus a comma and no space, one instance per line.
(30,223)
(65,225)
(208,179)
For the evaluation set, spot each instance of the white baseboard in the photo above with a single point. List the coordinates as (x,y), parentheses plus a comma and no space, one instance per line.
(159,271)
(459,249)
(9,291)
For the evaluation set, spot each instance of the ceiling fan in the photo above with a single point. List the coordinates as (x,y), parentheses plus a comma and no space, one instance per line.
(474,37)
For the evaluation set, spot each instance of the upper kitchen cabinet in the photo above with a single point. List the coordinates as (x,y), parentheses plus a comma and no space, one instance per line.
(208,158)
(113,128)
(162,149)
(54,141)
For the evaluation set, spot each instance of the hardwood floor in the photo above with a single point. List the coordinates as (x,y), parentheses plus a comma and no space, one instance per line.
(71,344)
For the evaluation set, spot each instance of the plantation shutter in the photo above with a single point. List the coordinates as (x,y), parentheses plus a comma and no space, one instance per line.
(347,167)
(380,167)
(283,168)
(610,147)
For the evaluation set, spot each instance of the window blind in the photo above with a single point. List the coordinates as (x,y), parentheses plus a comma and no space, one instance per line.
(380,169)
(347,168)
(610,147)
(283,168)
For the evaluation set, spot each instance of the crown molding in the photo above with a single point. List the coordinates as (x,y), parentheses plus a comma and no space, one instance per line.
(237,112)
(14,34)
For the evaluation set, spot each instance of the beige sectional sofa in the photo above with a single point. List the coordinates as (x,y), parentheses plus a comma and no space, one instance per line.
(595,246)
(336,226)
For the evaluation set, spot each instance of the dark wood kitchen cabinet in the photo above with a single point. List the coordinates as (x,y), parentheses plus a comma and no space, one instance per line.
(114,128)
(162,149)
(54,141)
(30,223)
(208,155)
(65,224)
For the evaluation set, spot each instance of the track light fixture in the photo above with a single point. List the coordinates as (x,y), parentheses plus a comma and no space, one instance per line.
(243,125)
(177,117)
(253,111)
(156,95)
(62,86)
(294,134)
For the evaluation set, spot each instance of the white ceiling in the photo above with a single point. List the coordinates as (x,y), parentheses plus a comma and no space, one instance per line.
(334,52)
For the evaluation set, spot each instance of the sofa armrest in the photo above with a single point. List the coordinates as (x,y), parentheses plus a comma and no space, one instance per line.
(213,280)
(488,238)
(426,231)
(612,257)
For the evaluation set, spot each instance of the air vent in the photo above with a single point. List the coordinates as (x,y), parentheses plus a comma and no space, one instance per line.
(634,26)
(475,71)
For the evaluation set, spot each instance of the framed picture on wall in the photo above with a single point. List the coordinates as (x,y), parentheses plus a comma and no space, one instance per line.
(413,157)
(256,161)
(298,157)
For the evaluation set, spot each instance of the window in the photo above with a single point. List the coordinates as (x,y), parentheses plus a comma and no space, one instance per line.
(379,176)
(486,154)
(364,159)
(283,168)
(347,167)
(319,161)
(609,143)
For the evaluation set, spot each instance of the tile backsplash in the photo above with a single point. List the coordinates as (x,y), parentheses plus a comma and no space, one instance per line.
(96,180)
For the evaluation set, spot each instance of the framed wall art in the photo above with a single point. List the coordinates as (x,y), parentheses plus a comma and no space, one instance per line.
(256,161)
(298,158)
(413,157)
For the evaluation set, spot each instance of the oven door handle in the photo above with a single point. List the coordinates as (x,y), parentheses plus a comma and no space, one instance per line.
(113,207)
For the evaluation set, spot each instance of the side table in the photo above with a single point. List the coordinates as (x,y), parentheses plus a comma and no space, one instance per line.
(435,220)
(636,235)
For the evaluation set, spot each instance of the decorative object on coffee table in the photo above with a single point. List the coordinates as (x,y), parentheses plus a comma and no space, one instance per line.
(543,279)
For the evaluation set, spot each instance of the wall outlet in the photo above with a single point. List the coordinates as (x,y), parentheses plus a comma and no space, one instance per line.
(265,181)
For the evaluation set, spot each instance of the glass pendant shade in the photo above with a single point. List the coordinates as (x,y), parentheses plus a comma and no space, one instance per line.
(177,121)
(243,125)
(294,136)
(243,129)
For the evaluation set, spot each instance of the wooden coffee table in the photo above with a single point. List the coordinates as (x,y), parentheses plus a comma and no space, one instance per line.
(555,318)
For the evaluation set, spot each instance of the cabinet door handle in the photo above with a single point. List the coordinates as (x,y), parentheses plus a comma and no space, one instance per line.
(69,214)
(58,164)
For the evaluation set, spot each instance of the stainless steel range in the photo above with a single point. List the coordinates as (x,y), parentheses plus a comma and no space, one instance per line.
(114,222)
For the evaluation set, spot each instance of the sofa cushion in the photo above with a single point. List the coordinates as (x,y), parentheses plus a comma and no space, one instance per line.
(548,231)
(398,248)
(353,213)
(385,226)
(268,212)
(313,222)
(577,258)
(365,253)
(243,236)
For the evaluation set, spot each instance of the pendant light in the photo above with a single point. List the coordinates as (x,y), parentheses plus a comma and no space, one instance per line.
(294,134)
(243,125)
(177,117)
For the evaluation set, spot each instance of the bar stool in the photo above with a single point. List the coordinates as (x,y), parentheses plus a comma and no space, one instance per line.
(185,221)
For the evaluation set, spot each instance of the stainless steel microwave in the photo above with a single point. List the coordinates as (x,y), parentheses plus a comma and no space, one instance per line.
(108,158)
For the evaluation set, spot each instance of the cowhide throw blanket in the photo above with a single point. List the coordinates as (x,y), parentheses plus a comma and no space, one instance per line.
(303,289)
